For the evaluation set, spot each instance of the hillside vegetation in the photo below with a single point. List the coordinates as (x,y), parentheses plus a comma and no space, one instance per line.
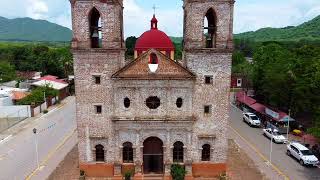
(308,31)
(27,29)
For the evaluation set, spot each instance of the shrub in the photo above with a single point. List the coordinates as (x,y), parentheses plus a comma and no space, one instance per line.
(37,96)
(128,175)
(82,173)
(223,176)
(45,111)
(178,172)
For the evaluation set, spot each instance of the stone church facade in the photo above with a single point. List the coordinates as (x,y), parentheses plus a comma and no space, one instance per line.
(147,114)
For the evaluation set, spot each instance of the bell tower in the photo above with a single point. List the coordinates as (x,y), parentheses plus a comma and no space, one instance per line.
(97,24)
(98,52)
(208,46)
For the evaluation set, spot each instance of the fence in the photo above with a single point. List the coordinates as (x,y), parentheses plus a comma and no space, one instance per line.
(11,115)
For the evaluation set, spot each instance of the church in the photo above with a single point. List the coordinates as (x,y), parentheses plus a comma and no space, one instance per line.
(144,115)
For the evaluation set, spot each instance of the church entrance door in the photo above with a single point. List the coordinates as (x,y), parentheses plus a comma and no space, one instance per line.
(153,156)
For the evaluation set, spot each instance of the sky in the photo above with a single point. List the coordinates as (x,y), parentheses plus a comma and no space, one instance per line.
(249,15)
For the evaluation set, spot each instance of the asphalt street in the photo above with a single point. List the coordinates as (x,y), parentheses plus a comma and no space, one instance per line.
(289,166)
(18,155)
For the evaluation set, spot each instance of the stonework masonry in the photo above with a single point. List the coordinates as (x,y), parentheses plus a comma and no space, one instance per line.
(117,124)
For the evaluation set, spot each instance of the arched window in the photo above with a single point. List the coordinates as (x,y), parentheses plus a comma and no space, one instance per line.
(126,102)
(153,62)
(99,153)
(178,152)
(210,29)
(127,153)
(153,59)
(179,102)
(95,29)
(205,152)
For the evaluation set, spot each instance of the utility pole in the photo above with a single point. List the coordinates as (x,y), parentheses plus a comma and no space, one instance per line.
(288,126)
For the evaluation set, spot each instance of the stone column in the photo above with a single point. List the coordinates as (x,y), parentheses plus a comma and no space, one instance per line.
(88,146)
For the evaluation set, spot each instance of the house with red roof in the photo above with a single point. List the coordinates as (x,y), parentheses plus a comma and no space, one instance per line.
(55,83)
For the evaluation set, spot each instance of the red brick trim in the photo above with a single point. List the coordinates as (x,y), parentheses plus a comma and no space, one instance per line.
(208,169)
(97,170)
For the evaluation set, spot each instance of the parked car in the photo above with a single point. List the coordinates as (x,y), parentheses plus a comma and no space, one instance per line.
(274,135)
(251,119)
(302,154)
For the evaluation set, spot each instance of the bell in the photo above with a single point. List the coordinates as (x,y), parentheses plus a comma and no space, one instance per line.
(95,34)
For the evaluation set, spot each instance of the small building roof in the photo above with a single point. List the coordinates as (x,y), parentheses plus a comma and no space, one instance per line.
(243,98)
(52,84)
(17,95)
(258,107)
(52,81)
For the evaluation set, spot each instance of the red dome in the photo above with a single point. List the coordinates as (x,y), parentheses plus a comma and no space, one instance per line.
(154,38)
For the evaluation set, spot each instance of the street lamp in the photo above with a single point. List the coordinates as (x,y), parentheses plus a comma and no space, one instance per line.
(36,144)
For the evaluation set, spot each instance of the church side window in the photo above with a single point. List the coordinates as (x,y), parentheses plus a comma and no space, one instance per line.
(126,102)
(97,79)
(207,109)
(95,29)
(210,29)
(208,79)
(127,152)
(179,102)
(205,155)
(98,109)
(178,152)
(99,153)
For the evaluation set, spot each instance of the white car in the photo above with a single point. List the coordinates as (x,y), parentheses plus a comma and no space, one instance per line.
(251,119)
(302,154)
(274,135)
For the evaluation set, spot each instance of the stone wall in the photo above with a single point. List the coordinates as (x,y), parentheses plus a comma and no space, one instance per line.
(211,128)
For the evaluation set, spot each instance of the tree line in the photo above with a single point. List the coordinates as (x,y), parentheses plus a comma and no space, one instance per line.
(285,77)
(34,57)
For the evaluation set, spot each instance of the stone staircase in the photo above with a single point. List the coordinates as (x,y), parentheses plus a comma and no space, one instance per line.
(153,177)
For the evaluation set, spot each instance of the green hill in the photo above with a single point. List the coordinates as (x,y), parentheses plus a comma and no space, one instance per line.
(309,31)
(177,40)
(27,29)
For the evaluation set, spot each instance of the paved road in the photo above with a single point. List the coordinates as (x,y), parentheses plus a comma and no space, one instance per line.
(289,166)
(18,158)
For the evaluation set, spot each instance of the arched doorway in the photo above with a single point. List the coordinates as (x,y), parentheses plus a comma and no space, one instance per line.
(153,155)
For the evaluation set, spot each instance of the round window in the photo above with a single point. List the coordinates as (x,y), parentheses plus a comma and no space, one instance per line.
(179,102)
(126,102)
(153,102)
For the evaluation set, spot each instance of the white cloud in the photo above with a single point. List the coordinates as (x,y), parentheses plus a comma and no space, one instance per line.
(37,9)
(251,15)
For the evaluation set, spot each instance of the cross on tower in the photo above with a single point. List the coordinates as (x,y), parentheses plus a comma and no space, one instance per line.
(154,9)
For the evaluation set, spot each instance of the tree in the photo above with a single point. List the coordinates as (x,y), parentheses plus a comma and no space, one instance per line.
(7,72)
(130,44)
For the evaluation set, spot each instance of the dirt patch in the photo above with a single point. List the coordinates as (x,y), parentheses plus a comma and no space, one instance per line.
(68,169)
(240,166)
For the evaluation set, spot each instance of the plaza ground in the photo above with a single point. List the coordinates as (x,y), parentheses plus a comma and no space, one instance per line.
(240,166)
